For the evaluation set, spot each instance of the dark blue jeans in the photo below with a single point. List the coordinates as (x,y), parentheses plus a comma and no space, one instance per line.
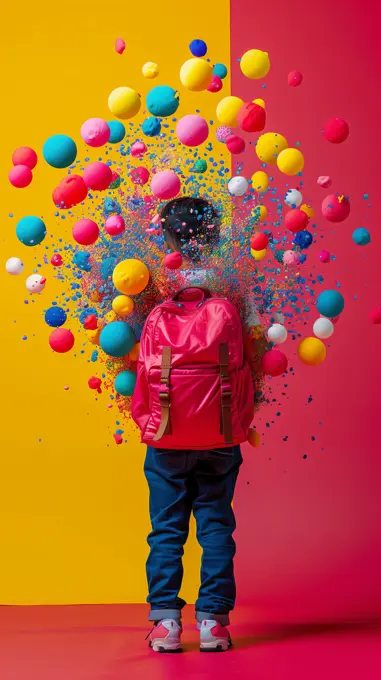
(179,482)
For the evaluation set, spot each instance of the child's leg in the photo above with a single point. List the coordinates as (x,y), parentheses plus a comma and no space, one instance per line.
(170,508)
(216,474)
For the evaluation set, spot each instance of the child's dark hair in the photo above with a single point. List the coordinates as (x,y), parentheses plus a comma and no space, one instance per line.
(188,223)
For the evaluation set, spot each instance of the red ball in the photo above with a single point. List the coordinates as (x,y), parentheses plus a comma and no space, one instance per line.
(296,220)
(215,85)
(336,207)
(25,156)
(70,191)
(251,117)
(115,225)
(20,176)
(140,175)
(173,260)
(97,176)
(259,241)
(336,130)
(85,232)
(375,315)
(274,362)
(61,340)
(91,322)
(235,144)
(56,260)
(294,78)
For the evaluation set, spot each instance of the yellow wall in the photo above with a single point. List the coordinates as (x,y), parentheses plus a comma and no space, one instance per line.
(73,506)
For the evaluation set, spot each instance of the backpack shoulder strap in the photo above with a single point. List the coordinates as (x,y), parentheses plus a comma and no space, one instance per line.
(164,395)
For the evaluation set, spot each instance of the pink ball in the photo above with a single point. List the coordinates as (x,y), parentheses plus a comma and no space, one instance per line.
(85,232)
(294,78)
(291,258)
(165,184)
(115,225)
(375,315)
(336,130)
(336,207)
(324,181)
(274,362)
(120,45)
(222,133)
(215,85)
(324,256)
(173,260)
(140,175)
(296,220)
(97,176)
(61,340)
(138,149)
(192,130)
(235,144)
(20,176)
(95,132)
(25,156)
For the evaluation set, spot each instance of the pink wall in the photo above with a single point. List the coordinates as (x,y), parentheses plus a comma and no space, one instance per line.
(309,531)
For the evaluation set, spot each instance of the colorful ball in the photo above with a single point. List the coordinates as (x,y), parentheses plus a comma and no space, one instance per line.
(238,186)
(117,131)
(162,101)
(336,130)
(330,303)
(222,133)
(192,130)
(20,176)
(151,127)
(336,207)
(259,241)
(165,184)
(361,236)
(291,258)
(269,146)
(150,70)
(173,260)
(122,305)
(14,266)
(215,85)
(251,117)
(196,74)
(253,437)
(198,48)
(274,362)
(260,182)
(258,255)
(70,191)
(125,383)
(294,78)
(97,176)
(61,340)
(55,316)
(116,339)
(227,111)
(255,64)
(95,132)
(31,231)
(293,198)
(130,277)
(115,225)
(324,256)
(290,161)
(59,151)
(85,232)
(35,283)
(124,103)
(24,155)
(311,351)
(277,333)
(220,71)
(296,220)
(323,328)
(139,175)
(375,315)
(235,144)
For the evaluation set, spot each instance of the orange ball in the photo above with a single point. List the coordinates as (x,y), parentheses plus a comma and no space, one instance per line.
(253,437)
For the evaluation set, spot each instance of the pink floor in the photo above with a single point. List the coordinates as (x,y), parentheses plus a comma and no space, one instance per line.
(107,643)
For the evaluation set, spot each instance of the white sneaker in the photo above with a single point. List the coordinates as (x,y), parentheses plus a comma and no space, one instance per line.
(166,636)
(213,636)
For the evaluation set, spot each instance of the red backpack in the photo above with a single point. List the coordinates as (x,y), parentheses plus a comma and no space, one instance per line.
(194,388)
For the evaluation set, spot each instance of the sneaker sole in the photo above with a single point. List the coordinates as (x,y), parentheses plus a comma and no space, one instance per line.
(215,646)
(166,649)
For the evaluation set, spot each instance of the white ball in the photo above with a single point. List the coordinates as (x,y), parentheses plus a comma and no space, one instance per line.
(35,283)
(238,186)
(293,198)
(323,328)
(14,266)
(277,333)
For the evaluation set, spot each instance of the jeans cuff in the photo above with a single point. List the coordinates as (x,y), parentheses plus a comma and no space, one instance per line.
(158,614)
(223,619)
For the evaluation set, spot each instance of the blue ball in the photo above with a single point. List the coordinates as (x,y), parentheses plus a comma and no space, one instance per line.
(151,127)
(60,151)
(220,70)
(55,316)
(198,48)
(303,239)
(82,260)
(30,231)
(330,303)
(162,101)
(117,131)
(125,383)
(117,339)
(361,236)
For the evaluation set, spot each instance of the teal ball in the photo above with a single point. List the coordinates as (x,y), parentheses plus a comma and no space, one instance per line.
(220,70)
(117,131)
(117,339)
(59,151)
(330,303)
(162,101)
(125,383)
(151,127)
(31,230)
(361,236)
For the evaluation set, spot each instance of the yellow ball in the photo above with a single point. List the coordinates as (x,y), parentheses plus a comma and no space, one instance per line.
(260,102)
(134,352)
(122,305)
(130,277)
(260,182)
(311,351)
(308,209)
(196,74)
(253,437)
(269,146)
(258,254)
(227,111)
(150,70)
(124,102)
(255,64)
(290,161)
(260,213)
(93,336)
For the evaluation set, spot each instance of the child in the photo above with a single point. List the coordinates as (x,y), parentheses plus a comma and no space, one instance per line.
(182,481)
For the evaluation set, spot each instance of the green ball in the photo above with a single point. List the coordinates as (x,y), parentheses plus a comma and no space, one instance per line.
(200,166)
(125,383)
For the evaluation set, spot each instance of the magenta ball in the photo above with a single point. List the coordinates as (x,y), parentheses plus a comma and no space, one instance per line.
(115,225)
(336,130)
(192,130)
(97,176)
(274,362)
(25,156)
(375,315)
(85,232)
(222,133)
(294,78)
(336,207)
(235,144)
(140,175)
(173,260)
(20,176)
(324,256)
(95,132)
(215,85)
(165,184)
(138,149)
(61,340)
(296,220)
